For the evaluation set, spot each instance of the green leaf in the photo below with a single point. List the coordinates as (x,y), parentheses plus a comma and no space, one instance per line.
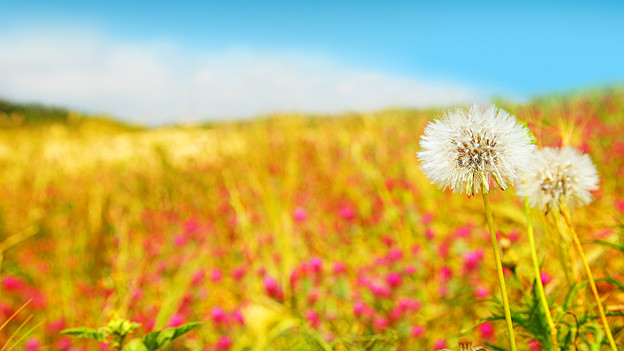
(86,333)
(609,244)
(157,339)
(135,345)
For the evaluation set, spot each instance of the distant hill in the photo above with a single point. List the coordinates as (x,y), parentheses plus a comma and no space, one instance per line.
(15,115)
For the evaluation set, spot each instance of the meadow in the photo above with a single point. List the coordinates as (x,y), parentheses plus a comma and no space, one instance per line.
(293,232)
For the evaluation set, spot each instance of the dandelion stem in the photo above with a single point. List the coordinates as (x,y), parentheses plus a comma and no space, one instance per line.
(538,277)
(499,268)
(590,277)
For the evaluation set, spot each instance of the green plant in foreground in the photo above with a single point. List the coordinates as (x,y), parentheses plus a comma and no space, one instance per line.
(116,331)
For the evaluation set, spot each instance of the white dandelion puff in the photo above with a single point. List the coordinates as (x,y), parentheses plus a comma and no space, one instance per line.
(564,175)
(466,147)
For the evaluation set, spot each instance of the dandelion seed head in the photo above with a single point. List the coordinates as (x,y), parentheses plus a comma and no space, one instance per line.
(466,147)
(560,175)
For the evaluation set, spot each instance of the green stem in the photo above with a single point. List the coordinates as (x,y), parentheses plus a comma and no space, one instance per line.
(499,268)
(590,277)
(538,277)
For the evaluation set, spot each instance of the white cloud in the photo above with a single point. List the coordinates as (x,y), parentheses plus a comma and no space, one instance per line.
(157,82)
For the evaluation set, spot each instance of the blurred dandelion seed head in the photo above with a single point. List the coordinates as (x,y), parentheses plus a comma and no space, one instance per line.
(560,175)
(465,147)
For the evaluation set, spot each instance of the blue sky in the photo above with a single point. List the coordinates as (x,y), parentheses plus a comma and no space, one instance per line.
(225,59)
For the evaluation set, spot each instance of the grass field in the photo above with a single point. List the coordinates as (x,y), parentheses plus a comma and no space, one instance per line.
(293,233)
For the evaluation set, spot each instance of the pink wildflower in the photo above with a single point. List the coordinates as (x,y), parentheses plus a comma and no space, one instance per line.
(313,318)
(429,233)
(409,269)
(11,283)
(32,344)
(379,290)
(380,323)
(394,255)
(514,236)
(339,268)
(180,240)
(313,296)
(394,279)
(472,259)
(535,346)
(440,344)
(224,343)
(546,278)
(237,317)
(238,272)
(487,331)
(316,264)
(272,288)
(346,212)
(417,331)
(444,274)
(216,275)
(481,292)
(176,320)
(300,214)
(426,218)
(218,316)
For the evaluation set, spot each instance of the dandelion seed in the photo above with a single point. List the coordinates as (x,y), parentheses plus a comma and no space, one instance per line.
(465,148)
(564,175)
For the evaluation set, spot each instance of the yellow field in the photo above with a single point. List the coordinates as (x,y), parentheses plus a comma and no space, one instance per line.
(293,233)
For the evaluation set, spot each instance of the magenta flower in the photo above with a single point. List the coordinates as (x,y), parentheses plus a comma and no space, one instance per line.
(546,278)
(180,240)
(316,264)
(32,344)
(313,318)
(486,330)
(440,344)
(272,288)
(409,269)
(481,292)
(514,236)
(239,272)
(55,326)
(300,214)
(394,279)
(417,331)
(358,308)
(444,274)
(379,290)
(11,283)
(198,277)
(176,320)
(339,268)
(238,317)
(218,316)
(380,323)
(346,212)
(535,346)
(394,255)
(472,259)
(216,275)
(426,218)
(224,343)
(429,233)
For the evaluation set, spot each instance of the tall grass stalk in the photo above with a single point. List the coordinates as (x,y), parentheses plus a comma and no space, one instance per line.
(590,277)
(499,268)
(538,277)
